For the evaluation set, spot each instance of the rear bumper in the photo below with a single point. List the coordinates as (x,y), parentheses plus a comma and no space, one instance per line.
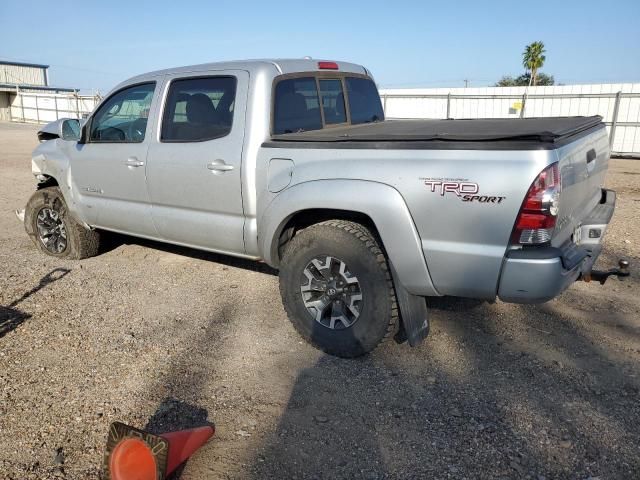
(536,275)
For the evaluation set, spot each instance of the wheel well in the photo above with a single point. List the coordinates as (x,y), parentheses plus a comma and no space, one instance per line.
(305,218)
(47,182)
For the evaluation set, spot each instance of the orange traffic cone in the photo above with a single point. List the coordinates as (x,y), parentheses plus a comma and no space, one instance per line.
(133,454)
(184,443)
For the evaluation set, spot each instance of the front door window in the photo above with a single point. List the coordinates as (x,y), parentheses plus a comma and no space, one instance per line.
(123,117)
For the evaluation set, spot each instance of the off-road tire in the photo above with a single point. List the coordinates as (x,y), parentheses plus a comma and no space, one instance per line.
(359,249)
(81,242)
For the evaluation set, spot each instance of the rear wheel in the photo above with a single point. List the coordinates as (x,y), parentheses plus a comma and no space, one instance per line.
(54,230)
(337,289)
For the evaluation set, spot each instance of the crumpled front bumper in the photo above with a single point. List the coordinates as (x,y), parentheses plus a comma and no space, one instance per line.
(536,275)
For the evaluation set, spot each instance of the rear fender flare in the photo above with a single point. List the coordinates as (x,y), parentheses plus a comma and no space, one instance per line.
(382,203)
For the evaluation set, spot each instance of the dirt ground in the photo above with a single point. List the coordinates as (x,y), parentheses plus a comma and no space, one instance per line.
(162,338)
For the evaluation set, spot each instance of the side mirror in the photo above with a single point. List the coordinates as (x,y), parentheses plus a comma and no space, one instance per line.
(70,129)
(64,128)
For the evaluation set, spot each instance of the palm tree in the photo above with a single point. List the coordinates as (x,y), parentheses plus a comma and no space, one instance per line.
(533,58)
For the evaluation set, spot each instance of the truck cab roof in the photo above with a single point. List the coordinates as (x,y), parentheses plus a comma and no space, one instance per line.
(271,66)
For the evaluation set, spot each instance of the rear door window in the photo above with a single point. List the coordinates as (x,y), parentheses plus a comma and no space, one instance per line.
(364,101)
(297,107)
(199,109)
(332,101)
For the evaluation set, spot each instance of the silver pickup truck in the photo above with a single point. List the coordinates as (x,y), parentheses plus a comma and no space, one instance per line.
(292,162)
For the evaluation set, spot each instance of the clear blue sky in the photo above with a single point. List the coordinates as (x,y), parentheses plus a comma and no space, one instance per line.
(94,45)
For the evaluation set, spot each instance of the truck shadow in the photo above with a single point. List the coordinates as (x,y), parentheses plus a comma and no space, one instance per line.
(477,400)
(11,317)
(111,241)
(496,391)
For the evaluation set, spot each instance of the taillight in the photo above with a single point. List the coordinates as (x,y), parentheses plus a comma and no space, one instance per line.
(539,211)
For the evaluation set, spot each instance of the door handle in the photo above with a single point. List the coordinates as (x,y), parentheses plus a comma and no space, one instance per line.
(219,166)
(133,162)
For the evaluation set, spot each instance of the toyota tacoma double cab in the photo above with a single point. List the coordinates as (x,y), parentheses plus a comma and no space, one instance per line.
(292,162)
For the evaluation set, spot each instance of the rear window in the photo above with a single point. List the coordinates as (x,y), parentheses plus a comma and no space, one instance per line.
(298,103)
(364,101)
(297,107)
(332,101)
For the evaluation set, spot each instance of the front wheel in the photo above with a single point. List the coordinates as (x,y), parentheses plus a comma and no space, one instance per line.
(336,288)
(54,230)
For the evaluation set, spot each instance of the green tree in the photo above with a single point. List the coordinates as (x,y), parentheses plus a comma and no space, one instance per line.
(542,79)
(533,59)
(506,81)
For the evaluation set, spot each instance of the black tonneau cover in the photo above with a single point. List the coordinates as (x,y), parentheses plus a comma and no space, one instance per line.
(547,132)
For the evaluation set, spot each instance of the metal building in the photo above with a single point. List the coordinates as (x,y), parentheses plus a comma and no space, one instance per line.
(26,96)
(16,73)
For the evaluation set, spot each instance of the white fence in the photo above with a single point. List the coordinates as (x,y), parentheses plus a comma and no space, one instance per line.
(618,104)
(33,107)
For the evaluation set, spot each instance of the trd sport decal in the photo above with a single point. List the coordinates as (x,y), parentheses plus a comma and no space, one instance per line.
(461,187)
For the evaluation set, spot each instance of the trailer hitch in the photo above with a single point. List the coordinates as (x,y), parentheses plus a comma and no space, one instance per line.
(601,276)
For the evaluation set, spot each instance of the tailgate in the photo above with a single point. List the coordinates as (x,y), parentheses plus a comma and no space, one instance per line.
(583,165)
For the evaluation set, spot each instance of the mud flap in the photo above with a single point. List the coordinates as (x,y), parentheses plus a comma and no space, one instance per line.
(413,313)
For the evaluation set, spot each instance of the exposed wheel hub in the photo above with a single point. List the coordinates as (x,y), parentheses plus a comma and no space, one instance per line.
(331,293)
(52,231)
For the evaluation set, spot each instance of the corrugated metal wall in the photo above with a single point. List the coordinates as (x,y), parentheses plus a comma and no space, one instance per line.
(501,102)
(23,75)
(4,106)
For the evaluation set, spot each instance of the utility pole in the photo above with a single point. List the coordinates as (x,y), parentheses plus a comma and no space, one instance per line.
(466,83)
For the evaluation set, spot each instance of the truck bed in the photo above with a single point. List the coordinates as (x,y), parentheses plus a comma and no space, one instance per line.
(483,134)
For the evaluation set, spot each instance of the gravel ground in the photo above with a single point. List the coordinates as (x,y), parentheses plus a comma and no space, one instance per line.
(163,337)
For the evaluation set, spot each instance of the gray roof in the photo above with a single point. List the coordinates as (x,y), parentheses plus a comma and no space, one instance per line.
(22,64)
